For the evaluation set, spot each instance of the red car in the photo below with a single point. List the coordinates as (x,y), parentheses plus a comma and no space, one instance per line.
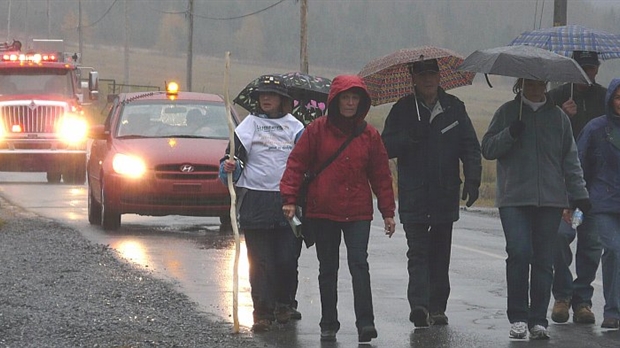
(158,154)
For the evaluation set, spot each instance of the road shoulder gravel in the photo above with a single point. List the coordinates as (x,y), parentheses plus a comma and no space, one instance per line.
(57,289)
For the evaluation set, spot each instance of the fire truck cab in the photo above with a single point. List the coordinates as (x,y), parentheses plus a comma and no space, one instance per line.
(42,123)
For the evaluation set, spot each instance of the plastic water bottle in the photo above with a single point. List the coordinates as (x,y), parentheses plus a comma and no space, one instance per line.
(577,218)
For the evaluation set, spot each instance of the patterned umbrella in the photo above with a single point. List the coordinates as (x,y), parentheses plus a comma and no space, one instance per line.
(309,94)
(566,39)
(388,78)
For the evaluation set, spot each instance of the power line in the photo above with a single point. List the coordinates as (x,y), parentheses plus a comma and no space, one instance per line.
(99,20)
(241,16)
(185,12)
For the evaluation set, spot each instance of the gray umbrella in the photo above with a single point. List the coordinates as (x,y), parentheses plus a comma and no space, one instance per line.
(527,62)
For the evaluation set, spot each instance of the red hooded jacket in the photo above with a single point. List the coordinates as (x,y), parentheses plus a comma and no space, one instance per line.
(342,191)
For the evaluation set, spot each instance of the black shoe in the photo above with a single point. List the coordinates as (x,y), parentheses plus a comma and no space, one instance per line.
(367,333)
(295,314)
(419,317)
(439,318)
(328,335)
(282,314)
(261,325)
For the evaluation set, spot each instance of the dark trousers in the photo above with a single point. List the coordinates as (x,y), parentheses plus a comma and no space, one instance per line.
(356,235)
(295,280)
(428,264)
(273,267)
(531,233)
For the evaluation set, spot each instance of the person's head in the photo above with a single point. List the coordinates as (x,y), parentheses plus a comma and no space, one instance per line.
(348,97)
(195,119)
(613,98)
(272,96)
(589,62)
(425,76)
(532,90)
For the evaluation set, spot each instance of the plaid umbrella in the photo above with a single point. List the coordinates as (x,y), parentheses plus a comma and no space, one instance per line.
(566,39)
(309,95)
(388,78)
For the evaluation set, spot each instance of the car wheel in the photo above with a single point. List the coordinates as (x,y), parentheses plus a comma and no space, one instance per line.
(94,208)
(225,220)
(110,218)
(76,173)
(53,177)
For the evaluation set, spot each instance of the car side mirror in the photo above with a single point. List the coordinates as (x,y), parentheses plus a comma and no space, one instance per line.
(98,132)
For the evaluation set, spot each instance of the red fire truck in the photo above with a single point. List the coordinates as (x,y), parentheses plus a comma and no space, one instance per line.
(42,123)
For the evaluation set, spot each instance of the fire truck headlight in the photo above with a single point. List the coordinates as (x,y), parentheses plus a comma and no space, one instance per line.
(130,166)
(73,129)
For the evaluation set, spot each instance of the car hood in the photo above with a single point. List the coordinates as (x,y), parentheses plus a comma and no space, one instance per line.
(154,151)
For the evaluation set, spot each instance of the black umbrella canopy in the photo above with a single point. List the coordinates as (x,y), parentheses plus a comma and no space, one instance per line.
(309,95)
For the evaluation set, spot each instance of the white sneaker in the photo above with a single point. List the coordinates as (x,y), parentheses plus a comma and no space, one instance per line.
(539,332)
(518,330)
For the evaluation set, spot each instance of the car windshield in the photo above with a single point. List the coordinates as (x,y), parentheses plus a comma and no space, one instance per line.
(25,80)
(186,120)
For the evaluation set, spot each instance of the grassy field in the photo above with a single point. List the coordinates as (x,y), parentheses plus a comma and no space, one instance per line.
(149,68)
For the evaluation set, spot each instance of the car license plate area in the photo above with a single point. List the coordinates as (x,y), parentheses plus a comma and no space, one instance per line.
(186,188)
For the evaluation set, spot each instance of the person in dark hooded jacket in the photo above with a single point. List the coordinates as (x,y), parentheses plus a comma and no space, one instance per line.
(340,201)
(599,153)
(430,134)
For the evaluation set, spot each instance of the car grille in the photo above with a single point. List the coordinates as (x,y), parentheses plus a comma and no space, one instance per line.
(38,119)
(199,172)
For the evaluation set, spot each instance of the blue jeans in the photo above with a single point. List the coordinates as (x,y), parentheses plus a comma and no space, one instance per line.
(587,258)
(428,265)
(272,261)
(608,227)
(530,233)
(356,235)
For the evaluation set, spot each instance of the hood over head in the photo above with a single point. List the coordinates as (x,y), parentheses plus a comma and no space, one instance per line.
(340,84)
(613,86)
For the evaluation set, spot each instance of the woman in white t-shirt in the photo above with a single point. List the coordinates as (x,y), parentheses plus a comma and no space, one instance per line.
(263,142)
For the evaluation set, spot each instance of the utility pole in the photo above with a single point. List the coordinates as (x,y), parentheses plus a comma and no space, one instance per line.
(559,13)
(8,22)
(49,23)
(303,54)
(80,38)
(126,48)
(190,44)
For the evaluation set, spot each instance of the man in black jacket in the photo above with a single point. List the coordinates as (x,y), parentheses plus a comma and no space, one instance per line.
(581,103)
(430,134)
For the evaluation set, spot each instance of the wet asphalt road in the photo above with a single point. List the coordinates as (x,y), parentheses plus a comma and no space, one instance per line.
(198,257)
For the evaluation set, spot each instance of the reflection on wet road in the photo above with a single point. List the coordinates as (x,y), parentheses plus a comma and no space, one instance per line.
(198,258)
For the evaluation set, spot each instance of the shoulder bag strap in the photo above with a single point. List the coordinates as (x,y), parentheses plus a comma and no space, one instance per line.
(359,130)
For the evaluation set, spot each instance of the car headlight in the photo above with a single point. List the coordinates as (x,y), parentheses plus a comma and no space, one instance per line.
(73,129)
(130,166)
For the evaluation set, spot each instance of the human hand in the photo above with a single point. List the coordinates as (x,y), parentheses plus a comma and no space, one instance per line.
(288,210)
(567,216)
(470,190)
(570,108)
(230,165)
(583,204)
(516,128)
(389,226)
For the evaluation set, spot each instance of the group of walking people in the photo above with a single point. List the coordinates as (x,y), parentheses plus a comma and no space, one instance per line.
(542,175)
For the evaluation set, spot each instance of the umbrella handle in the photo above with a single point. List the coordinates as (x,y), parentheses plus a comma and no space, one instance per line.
(486,77)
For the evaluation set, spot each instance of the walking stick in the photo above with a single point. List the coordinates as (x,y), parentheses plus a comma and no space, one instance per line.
(233,201)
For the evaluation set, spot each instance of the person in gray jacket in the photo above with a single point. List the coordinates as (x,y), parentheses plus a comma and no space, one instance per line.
(537,169)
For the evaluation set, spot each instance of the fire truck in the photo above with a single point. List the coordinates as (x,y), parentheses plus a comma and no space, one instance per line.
(42,123)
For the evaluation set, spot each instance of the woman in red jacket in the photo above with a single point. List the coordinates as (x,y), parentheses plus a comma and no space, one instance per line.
(340,201)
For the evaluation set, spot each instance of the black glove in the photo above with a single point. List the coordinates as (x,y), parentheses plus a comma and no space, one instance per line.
(470,190)
(583,204)
(516,129)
